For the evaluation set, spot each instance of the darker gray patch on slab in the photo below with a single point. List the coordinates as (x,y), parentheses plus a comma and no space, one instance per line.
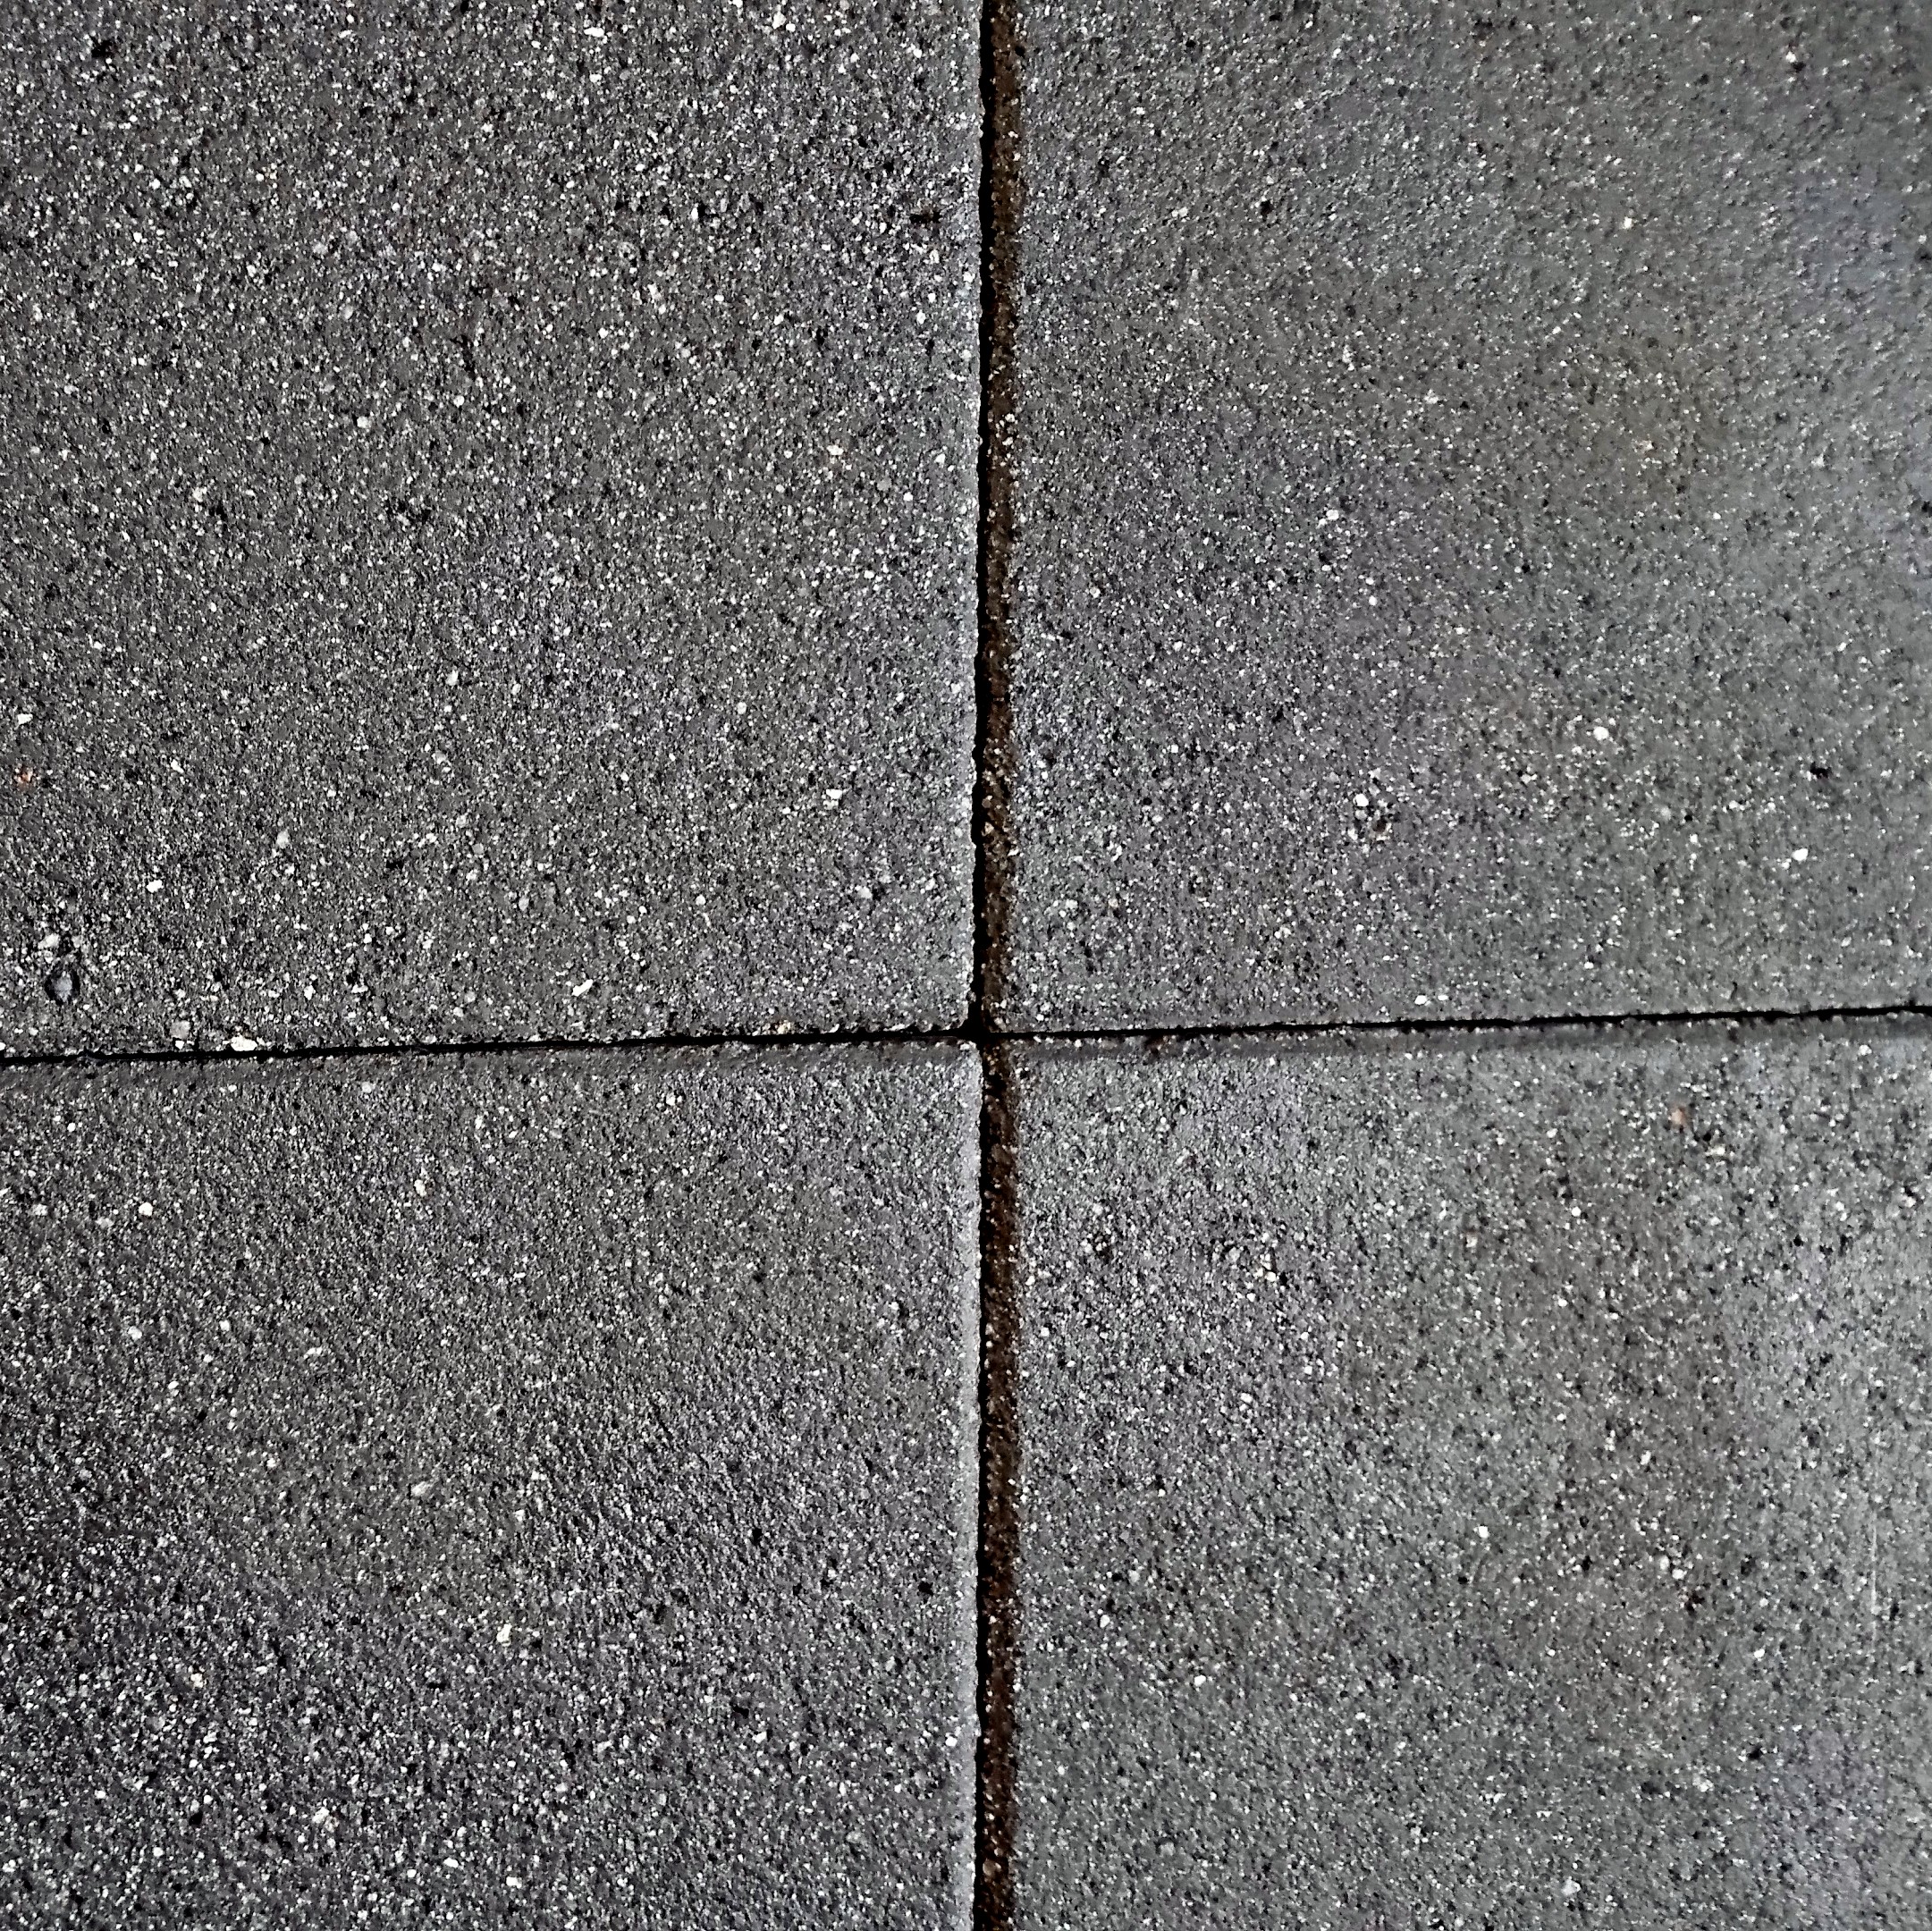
(490,1493)
(1481,1488)
(1474,537)
(489,520)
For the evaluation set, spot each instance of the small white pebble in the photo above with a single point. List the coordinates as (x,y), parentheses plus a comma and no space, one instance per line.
(241,1043)
(1799,853)
(1601,734)
(420,1490)
(134,1334)
(145,1210)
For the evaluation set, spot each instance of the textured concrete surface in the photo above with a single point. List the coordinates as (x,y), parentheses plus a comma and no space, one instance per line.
(475,1493)
(1483,1487)
(1474,543)
(486,519)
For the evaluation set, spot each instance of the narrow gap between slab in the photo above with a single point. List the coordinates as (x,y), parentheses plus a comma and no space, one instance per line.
(1424,1030)
(1001,193)
(988,1040)
(491,1048)
(999,1501)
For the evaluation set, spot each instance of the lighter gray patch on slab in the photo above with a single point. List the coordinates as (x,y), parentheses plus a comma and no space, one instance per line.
(1482,1486)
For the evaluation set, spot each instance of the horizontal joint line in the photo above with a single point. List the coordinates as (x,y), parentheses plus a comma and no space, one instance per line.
(976,1033)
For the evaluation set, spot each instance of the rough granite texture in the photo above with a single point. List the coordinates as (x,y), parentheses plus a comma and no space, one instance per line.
(486,519)
(1474,511)
(481,1493)
(1485,1488)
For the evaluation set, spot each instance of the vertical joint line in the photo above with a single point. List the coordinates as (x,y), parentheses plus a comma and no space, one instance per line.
(999,1511)
(1000,210)
(1000,193)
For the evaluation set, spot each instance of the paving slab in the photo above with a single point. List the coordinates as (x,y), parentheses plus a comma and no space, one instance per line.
(1477,1487)
(1473,512)
(488,517)
(487,1493)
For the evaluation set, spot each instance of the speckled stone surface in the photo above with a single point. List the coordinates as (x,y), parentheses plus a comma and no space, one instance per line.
(1477,1487)
(486,519)
(1474,511)
(473,1493)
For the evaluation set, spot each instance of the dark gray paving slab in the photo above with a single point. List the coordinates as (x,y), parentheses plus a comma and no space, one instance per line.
(487,513)
(483,1495)
(1477,1488)
(1474,511)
